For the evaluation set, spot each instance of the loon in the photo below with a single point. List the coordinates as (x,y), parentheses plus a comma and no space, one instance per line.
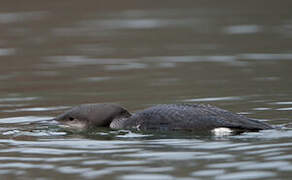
(164,117)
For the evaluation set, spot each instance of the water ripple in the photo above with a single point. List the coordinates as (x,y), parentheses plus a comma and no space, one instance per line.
(23,119)
(246,175)
(13,99)
(231,98)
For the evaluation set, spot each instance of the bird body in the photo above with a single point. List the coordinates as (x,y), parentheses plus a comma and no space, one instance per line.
(165,117)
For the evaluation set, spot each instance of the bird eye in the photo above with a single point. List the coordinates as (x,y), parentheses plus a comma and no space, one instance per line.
(71,118)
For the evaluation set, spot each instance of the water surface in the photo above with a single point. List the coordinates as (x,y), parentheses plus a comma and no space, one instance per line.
(233,54)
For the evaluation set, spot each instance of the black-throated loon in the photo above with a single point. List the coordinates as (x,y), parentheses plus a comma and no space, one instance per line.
(165,117)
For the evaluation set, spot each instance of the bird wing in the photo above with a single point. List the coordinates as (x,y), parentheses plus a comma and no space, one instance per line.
(191,117)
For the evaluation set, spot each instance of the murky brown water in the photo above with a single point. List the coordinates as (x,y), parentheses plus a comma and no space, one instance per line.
(233,54)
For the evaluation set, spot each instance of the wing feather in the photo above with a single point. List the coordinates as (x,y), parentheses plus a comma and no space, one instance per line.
(192,117)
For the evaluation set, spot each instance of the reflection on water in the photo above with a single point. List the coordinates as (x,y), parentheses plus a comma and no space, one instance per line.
(214,99)
(126,158)
(233,54)
(243,29)
(6,18)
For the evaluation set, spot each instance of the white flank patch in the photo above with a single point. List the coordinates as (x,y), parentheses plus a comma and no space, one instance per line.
(222,131)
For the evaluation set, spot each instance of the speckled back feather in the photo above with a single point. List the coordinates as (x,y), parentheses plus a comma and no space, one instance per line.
(193,117)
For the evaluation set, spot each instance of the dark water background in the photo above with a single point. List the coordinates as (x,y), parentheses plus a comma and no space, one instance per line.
(56,54)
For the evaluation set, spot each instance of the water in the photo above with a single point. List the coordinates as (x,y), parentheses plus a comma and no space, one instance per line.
(54,55)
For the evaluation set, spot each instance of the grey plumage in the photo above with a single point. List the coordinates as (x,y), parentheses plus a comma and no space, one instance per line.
(193,117)
(165,117)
